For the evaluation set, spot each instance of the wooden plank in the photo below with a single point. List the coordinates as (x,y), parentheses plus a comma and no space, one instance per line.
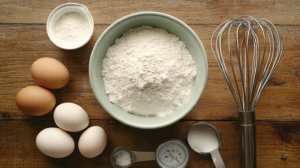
(191,12)
(21,45)
(23,39)
(278,144)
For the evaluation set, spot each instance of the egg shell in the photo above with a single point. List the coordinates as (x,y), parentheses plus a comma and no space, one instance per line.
(55,142)
(92,142)
(35,100)
(50,73)
(71,117)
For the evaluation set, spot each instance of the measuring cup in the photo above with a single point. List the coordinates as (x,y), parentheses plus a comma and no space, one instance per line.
(169,154)
(210,139)
(134,156)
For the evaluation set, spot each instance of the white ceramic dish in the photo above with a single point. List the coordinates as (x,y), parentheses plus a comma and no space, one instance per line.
(158,20)
(56,14)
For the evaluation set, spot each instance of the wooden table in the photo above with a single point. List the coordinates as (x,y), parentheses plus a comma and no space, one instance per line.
(23,39)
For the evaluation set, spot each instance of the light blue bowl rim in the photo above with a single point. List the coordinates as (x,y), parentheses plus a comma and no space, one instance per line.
(116,23)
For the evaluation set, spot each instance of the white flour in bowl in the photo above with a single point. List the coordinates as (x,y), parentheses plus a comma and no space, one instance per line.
(148,72)
(71,28)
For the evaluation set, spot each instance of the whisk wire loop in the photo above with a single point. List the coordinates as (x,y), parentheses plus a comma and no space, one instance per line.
(250,69)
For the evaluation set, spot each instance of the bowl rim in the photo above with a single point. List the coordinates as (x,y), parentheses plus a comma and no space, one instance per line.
(117,22)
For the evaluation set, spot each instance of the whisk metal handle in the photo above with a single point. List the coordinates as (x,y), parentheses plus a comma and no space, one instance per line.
(248,139)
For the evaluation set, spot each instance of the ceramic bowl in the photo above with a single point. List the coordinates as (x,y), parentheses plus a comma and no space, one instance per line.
(158,20)
(56,14)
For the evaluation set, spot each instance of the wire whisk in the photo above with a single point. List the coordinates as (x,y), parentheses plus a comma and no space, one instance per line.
(254,49)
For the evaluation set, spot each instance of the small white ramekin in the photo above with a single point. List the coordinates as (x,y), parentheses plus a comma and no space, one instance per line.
(56,14)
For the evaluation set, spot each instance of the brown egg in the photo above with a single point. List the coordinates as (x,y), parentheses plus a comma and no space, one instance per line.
(50,73)
(35,100)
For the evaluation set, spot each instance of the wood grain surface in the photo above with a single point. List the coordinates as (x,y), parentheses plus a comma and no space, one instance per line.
(23,39)
(278,144)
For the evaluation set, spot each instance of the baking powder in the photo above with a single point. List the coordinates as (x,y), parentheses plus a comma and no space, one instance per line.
(71,28)
(122,158)
(203,138)
(148,72)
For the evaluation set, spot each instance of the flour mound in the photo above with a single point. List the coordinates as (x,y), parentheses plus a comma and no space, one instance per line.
(71,28)
(148,72)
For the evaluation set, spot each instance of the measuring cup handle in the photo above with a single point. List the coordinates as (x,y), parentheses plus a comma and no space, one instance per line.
(143,156)
(217,159)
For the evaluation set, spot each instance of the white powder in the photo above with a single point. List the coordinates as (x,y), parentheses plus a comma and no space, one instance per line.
(71,28)
(203,138)
(148,72)
(122,158)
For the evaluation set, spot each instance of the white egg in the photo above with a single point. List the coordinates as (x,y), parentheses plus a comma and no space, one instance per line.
(71,117)
(92,142)
(55,142)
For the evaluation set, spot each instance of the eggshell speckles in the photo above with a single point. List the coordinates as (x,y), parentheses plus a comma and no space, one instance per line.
(50,73)
(71,117)
(55,142)
(92,142)
(35,100)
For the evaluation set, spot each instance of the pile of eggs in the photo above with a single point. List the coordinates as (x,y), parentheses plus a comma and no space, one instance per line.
(57,143)
(37,101)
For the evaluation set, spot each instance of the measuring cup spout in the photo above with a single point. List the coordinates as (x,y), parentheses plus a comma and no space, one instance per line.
(217,159)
